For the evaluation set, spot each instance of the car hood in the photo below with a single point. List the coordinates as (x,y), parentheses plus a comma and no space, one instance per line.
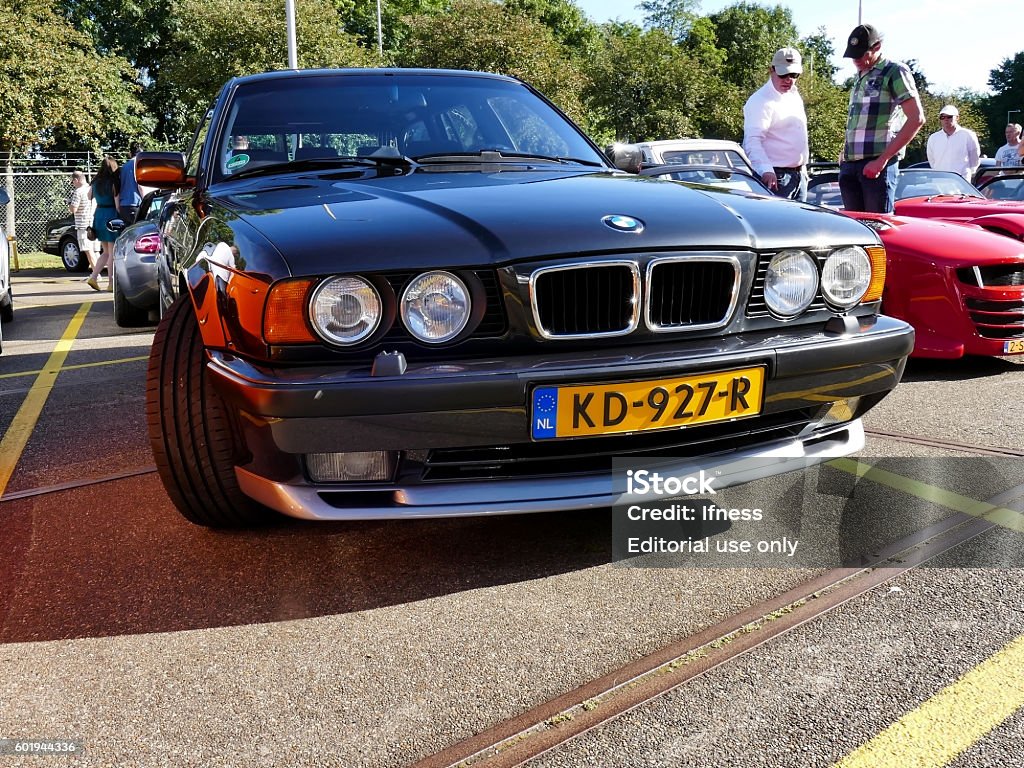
(472,218)
(955,207)
(943,242)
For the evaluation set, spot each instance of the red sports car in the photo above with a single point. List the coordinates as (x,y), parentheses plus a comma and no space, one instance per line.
(960,286)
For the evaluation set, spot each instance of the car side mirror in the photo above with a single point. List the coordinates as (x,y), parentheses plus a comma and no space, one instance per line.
(116,225)
(165,170)
(625,157)
(4,197)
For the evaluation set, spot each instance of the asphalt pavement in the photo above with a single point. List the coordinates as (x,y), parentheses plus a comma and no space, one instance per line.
(157,643)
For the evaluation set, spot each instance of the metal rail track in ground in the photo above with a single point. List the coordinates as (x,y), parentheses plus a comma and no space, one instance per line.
(554,722)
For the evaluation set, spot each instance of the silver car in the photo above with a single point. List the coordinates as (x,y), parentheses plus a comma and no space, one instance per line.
(134,270)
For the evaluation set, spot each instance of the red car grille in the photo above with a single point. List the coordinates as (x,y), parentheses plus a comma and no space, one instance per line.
(997,319)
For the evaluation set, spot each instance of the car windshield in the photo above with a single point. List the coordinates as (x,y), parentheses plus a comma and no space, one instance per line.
(332,120)
(928,183)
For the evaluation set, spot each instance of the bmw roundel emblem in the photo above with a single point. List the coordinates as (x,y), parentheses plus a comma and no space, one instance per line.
(624,223)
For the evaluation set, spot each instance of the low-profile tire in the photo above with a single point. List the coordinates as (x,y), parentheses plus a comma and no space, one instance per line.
(71,255)
(7,307)
(126,314)
(192,431)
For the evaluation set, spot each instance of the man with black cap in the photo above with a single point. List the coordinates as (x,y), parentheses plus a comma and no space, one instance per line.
(775,128)
(884,94)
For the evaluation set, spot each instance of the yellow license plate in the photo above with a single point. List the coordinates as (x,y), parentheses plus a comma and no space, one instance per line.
(1014,347)
(638,406)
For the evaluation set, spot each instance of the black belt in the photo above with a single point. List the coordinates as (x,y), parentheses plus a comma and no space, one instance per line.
(792,170)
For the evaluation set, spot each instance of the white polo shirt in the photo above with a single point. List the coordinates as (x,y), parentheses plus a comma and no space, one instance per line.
(958,151)
(775,129)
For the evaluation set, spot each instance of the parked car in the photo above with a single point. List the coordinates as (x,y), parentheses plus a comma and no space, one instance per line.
(136,297)
(6,293)
(717,152)
(960,286)
(62,241)
(929,194)
(427,293)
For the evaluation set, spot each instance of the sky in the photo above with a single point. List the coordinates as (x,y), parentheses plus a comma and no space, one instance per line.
(956,42)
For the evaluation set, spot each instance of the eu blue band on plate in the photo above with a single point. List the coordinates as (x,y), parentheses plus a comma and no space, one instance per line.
(545,412)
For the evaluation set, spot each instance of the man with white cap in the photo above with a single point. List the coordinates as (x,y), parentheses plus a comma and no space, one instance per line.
(884,96)
(775,128)
(954,148)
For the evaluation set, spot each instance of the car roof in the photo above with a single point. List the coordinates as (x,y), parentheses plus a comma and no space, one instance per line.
(288,74)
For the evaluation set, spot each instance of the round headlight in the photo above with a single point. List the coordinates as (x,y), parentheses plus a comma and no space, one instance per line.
(791,283)
(435,307)
(845,276)
(345,310)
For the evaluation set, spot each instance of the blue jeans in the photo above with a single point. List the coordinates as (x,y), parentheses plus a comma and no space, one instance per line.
(792,183)
(863,194)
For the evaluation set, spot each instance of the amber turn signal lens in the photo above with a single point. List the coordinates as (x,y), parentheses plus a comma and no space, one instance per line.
(874,292)
(285,318)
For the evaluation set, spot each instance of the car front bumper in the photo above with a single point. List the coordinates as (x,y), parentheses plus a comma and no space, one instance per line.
(481,409)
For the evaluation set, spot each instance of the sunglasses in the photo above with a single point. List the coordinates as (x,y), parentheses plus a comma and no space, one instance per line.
(790,76)
(945,117)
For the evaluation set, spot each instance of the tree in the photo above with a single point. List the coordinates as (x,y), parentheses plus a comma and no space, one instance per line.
(750,34)
(674,17)
(211,46)
(817,51)
(1007,84)
(565,19)
(54,84)
(491,37)
(642,87)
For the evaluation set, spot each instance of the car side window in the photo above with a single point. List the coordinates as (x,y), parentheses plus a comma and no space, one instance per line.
(192,166)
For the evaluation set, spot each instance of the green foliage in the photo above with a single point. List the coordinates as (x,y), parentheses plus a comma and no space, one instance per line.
(1007,84)
(750,34)
(53,83)
(215,40)
(674,17)
(826,107)
(566,20)
(817,51)
(359,18)
(488,36)
(641,86)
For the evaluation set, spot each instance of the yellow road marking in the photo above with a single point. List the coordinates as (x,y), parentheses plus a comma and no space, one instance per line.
(78,366)
(952,720)
(1007,518)
(20,430)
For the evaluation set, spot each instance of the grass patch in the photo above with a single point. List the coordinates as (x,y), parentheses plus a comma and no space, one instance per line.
(37,260)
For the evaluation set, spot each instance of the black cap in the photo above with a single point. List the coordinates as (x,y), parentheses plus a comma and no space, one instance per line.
(862,38)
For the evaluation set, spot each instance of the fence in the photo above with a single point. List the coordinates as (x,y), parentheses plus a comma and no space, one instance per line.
(39,188)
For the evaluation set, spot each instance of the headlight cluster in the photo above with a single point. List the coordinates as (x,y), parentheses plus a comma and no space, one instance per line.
(434,307)
(792,280)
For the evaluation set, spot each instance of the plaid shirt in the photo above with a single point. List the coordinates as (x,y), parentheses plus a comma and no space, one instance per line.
(875,116)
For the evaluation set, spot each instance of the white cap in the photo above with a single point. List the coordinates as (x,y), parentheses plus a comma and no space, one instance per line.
(950,110)
(787,61)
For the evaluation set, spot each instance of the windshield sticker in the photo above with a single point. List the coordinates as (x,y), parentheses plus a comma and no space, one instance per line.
(237,162)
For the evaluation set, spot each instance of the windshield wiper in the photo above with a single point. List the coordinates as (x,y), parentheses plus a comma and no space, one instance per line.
(498,156)
(379,161)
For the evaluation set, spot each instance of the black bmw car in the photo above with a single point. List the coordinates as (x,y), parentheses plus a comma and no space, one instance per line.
(397,293)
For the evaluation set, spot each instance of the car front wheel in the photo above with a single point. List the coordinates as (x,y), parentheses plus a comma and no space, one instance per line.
(192,431)
(73,258)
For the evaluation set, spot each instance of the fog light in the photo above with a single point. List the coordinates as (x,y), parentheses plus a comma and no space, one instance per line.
(358,466)
(841,412)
